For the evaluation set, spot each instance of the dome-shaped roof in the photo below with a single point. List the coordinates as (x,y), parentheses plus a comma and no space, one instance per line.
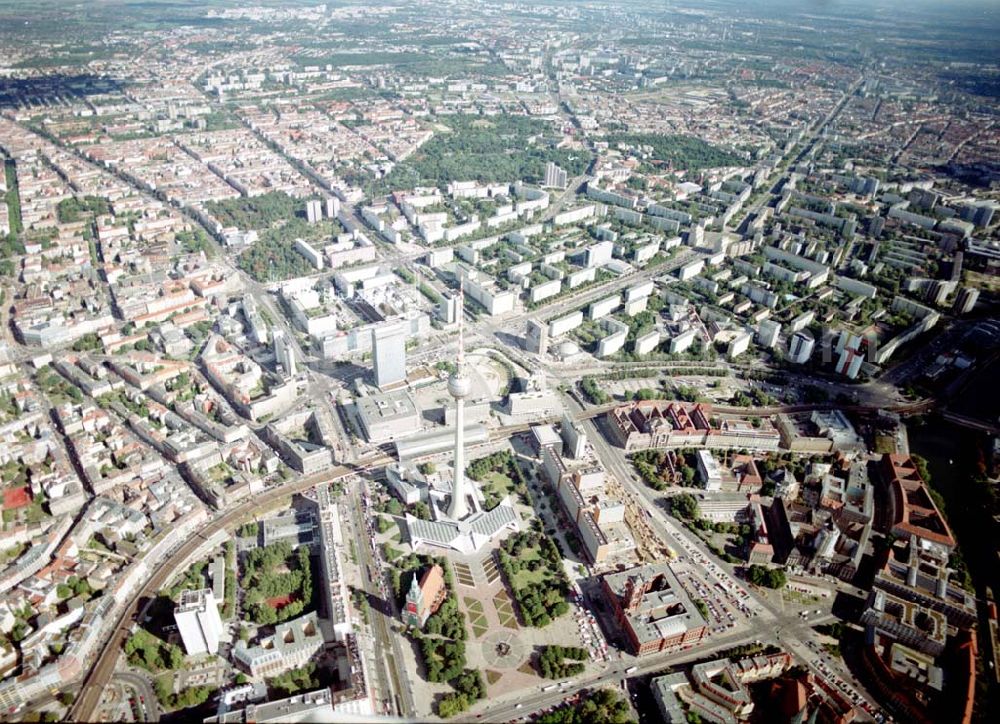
(568,349)
(459,386)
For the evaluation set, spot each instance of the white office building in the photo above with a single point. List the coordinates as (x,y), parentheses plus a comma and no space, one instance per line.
(537,337)
(448,309)
(389,354)
(709,471)
(332,207)
(739,344)
(198,621)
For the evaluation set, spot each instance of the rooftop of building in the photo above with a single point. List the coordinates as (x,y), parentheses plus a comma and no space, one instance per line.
(664,610)
(914,510)
(466,535)
(194,600)
(386,407)
(289,636)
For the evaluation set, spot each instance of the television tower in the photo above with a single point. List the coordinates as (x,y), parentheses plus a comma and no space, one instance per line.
(458,387)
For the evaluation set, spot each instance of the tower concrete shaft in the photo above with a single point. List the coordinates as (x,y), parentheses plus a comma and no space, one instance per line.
(458,388)
(459,508)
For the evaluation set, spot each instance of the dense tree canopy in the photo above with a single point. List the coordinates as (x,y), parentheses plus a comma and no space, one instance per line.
(682,152)
(601,707)
(256,212)
(487,149)
(560,662)
(768,577)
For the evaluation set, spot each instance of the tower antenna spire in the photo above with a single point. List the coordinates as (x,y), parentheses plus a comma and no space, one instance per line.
(461,324)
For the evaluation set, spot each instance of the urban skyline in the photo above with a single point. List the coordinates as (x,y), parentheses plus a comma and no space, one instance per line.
(561,361)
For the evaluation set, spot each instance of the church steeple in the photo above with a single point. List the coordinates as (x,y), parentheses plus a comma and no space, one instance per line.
(413,610)
(414,594)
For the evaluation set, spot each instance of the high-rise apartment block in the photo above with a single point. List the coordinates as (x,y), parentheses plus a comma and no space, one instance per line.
(966,300)
(555,177)
(314,211)
(767,333)
(800,347)
(537,338)
(283,353)
(448,310)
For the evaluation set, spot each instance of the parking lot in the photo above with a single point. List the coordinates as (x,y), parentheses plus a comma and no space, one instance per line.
(725,610)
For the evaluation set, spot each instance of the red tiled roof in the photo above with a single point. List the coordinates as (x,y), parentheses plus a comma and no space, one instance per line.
(432,584)
(916,513)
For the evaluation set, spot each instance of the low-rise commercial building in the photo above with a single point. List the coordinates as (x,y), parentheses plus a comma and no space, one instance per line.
(389,416)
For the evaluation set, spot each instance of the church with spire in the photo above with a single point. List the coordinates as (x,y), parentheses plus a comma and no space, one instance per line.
(424,598)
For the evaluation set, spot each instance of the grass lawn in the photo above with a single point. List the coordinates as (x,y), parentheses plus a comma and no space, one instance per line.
(499,483)
(479,626)
(505,611)
(495,487)
(477,619)
(885,444)
(163,685)
(492,676)
(525,577)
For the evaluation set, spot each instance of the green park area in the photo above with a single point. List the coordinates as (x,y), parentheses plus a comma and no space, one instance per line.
(656,468)
(307,678)
(56,388)
(13,198)
(279,218)
(560,662)
(593,392)
(441,642)
(498,476)
(73,209)
(680,152)
(603,705)
(277,583)
(257,212)
(15,485)
(723,539)
(767,577)
(146,651)
(273,257)
(494,149)
(532,565)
